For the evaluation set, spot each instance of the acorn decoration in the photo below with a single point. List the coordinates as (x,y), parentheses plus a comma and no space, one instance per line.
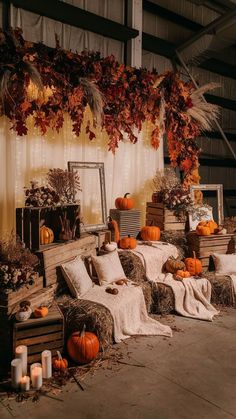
(24,311)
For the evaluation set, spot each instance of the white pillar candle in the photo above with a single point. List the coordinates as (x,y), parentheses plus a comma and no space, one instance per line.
(16,372)
(21,353)
(47,364)
(32,366)
(37,377)
(25,383)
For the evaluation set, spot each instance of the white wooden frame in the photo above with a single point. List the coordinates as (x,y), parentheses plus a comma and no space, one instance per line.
(212,187)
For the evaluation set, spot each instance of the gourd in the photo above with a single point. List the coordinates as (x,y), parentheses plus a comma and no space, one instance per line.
(172,265)
(221,230)
(83,347)
(46,235)
(212,226)
(128,243)
(203,230)
(183,274)
(59,363)
(110,247)
(41,312)
(193,265)
(114,229)
(124,203)
(150,233)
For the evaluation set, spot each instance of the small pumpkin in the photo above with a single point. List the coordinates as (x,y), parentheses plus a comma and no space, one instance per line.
(203,230)
(128,243)
(212,226)
(83,347)
(46,235)
(114,229)
(110,247)
(193,265)
(221,230)
(150,233)
(59,363)
(183,274)
(41,311)
(124,203)
(172,265)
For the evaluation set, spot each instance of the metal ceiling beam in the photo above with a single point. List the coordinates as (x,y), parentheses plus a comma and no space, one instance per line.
(74,16)
(217,136)
(222,162)
(221,101)
(157,10)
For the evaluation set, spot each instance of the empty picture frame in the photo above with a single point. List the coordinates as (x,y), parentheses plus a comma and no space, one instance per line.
(212,187)
(92,197)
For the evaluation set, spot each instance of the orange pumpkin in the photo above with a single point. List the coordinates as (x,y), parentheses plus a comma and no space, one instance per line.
(183,274)
(128,243)
(114,229)
(151,233)
(124,203)
(46,235)
(212,226)
(193,265)
(203,230)
(83,347)
(59,363)
(41,312)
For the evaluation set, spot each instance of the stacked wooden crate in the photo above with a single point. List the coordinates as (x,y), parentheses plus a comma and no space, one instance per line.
(129,221)
(204,246)
(39,334)
(52,256)
(158,215)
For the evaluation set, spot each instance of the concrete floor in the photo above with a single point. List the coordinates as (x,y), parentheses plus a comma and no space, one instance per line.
(191,376)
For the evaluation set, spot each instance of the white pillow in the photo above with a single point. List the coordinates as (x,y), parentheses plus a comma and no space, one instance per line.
(76,276)
(224,264)
(108,268)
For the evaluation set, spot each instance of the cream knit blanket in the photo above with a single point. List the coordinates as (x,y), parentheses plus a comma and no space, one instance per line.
(128,310)
(192,296)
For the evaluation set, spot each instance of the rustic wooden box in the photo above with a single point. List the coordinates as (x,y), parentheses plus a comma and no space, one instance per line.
(129,221)
(10,300)
(158,215)
(40,334)
(28,220)
(204,246)
(54,255)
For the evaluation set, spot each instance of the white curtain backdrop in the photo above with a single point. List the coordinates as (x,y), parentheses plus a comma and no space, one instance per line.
(28,158)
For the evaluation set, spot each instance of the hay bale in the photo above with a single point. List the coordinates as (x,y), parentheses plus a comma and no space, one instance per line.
(163,300)
(135,271)
(178,239)
(222,291)
(95,316)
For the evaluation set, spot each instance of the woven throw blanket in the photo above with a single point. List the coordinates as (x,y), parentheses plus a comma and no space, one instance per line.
(192,296)
(128,310)
(154,256)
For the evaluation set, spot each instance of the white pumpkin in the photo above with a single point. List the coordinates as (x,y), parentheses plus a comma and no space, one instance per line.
(222,231)
(110,247)
(22,316)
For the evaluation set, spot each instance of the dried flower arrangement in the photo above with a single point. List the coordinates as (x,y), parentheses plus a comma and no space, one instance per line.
(17,264)
(61,189)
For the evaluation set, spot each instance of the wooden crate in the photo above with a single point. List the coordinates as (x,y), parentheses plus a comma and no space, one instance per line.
(204,246)
(10,300)
(129,221)
(158,215)
(40,334)
(28,220)
(54,255)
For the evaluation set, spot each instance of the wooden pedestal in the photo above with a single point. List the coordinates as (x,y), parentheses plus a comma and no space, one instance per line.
(158,215)
(204,246)
(129,221)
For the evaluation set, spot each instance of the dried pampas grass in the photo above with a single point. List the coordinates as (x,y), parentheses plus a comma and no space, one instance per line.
(94,98)
(203,112)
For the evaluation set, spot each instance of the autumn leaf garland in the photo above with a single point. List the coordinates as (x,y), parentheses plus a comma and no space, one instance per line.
(129,95)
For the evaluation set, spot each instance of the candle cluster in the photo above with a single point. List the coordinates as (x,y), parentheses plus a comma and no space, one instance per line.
(38,371)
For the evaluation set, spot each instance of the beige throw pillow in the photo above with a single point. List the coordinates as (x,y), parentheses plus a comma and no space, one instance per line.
(76,276)
(108,268)
(224,264)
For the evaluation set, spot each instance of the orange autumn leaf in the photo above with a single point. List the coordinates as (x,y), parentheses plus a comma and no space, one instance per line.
(25,106)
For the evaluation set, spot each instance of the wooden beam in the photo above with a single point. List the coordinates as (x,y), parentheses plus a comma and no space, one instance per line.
(219,67)
(5,15)
(211,162)
(158,46)
(157,10)
(74,16)
(221,101)
(217,136)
